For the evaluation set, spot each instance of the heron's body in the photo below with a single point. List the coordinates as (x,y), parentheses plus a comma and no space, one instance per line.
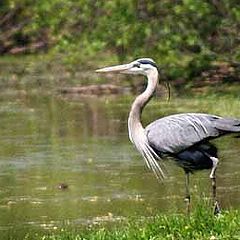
(183,136)
(186,137)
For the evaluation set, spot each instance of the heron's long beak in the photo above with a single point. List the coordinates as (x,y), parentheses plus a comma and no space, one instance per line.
(117,69)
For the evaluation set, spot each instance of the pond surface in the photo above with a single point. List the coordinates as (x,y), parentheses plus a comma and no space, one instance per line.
(47,140)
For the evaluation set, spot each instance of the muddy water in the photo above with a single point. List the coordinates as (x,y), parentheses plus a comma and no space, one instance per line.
(68,162)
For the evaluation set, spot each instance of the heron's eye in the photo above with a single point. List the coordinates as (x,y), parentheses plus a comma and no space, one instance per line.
(136,65)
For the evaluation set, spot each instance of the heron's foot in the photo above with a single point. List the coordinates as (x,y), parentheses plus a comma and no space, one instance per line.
(217,208)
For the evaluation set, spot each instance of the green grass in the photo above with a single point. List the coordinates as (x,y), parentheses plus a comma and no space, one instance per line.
(201,224)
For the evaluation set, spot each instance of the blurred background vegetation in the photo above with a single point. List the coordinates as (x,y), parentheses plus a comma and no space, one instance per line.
(188,38)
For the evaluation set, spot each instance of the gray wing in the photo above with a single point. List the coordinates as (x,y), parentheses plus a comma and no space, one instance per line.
(177,132)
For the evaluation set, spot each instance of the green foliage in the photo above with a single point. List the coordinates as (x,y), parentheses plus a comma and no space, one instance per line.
(183,35)
(202,224)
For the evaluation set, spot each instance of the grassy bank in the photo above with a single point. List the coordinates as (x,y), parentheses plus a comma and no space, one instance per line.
(200,225)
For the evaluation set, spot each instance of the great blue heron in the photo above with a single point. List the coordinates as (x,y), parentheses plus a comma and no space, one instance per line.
(185,137)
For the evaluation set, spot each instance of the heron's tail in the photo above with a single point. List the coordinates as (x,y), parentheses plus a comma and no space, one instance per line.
(228,125)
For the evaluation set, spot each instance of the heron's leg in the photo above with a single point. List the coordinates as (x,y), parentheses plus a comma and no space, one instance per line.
(217,209)
(187,196)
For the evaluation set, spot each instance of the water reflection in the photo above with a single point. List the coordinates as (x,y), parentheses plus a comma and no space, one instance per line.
(48,140)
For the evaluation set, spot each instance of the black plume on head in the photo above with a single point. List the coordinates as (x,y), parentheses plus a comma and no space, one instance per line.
(149,62)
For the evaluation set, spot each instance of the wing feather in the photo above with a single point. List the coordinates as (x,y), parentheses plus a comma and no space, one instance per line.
(177,132)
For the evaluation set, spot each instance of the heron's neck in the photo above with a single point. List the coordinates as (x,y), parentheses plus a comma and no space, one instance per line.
(134,119)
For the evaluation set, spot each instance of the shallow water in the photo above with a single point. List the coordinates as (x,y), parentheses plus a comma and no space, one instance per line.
(47,140)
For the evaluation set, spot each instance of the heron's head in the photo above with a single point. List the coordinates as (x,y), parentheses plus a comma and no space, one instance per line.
(141,66)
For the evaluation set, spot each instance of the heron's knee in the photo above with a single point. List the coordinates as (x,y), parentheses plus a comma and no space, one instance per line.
(214,167)
(187,198)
